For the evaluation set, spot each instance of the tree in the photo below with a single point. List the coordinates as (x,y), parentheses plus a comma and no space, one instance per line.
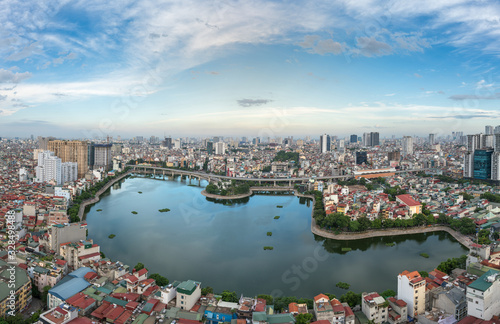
(303,318)
(45,293)
(139,266)
(229,296)
(388,293)
(160,280)
(354,226)
(423,274)
(351,298)
(207,290)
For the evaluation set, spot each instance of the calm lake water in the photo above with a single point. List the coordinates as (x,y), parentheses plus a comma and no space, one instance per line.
(222,246)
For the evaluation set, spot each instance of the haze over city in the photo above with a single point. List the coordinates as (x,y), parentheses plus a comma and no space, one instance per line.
(77,69)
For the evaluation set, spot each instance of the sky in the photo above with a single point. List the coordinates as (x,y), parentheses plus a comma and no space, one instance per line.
(88,69)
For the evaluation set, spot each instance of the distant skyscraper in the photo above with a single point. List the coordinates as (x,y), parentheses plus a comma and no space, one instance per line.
(367,139)
(324,143)
(44,141)
(488,130)
(407,145)
(210,148)
(432,140)
(474,142)
(487,141)
(497,130)
(374,139)
(220,148)
(167,143)
(354,138)
(482,164)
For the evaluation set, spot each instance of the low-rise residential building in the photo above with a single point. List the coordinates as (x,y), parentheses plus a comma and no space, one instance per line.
(59,315)
(483,296)
(79,253)
(188,293)
(398,311)
(374,307)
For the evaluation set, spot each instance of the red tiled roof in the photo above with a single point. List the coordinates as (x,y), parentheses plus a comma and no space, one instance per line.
(408,200)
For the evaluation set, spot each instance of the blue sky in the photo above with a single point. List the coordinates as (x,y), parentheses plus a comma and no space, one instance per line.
(80,69)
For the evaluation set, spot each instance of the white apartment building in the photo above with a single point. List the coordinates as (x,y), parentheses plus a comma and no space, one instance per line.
(483,296)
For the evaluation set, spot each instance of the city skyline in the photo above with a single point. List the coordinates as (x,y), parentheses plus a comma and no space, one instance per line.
(258,69)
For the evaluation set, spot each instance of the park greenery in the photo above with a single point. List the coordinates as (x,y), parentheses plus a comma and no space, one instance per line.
(338,222)
(283,156)
(235,188)
(89,193)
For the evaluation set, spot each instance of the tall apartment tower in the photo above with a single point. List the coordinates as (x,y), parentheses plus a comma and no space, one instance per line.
(324,143)
(407,145)
(72,151)
(432,139)
(374,136)
(102,156)
(354,138)
(488,130)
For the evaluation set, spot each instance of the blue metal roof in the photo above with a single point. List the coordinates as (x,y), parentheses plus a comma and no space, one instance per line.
(80,272)
(69,288)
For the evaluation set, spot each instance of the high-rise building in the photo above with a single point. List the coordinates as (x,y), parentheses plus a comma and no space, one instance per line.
(394,156)
(361,157)
(474,142)
(496,130)
(487,141)
(488,130)
(50,170)
(354,138)
(482,164)
(495,166)
(72,151)
(220,148)
(44,141)
(469,165)
(432,139)
(324,143)
(374,140)
(102,156)
(69,172)
(210,148)
(407,145)
(167,143)
(496,142)
(367,139)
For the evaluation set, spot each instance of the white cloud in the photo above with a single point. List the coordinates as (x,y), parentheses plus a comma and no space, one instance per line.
(7,76)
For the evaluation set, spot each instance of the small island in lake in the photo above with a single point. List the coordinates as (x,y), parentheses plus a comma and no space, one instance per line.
(164,210)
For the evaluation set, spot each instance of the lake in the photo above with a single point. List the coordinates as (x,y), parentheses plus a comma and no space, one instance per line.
(222,245)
